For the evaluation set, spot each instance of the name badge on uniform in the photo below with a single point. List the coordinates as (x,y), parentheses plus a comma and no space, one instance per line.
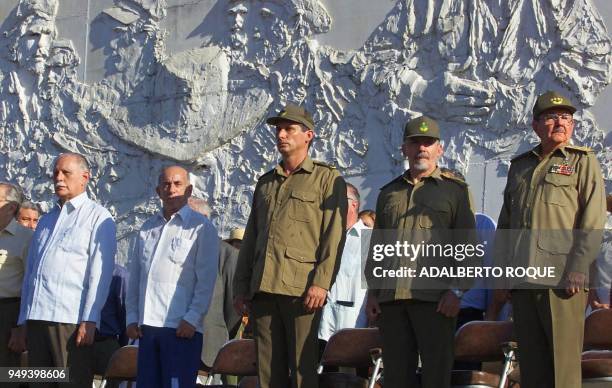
(563,169)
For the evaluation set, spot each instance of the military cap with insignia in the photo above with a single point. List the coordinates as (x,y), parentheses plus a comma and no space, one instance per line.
(551,100)
(293,113)
(422,126)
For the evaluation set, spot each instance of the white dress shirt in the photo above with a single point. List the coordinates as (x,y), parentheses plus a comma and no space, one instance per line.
(70,264)
(345,306)
(172,269)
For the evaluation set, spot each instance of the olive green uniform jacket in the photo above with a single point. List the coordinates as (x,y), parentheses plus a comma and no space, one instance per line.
(436,202)
(295,233)
(555,208)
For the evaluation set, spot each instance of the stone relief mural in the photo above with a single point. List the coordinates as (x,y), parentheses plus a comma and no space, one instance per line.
(475,65)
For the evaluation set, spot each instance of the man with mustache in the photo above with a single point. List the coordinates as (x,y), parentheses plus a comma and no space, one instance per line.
(555,195)
(69,270)
(416,320)
(288,258)
(172,268)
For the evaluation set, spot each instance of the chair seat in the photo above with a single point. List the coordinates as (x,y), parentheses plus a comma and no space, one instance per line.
(596,368)
(596,354)
(470,377)
(341,380)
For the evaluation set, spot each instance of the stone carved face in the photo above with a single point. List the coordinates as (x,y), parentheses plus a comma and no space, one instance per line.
(260,31)
(32,48)
(124,47)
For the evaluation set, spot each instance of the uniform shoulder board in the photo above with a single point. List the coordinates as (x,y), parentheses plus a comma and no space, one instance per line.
(398,179)
(520,156)
(579,148)
(459,181)
(319,163)
(267,173)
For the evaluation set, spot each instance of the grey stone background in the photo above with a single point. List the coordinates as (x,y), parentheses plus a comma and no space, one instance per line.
(101,114)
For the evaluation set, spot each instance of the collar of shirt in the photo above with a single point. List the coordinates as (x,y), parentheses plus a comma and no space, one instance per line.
(436,176)
(307,165)
(356,229)
(184,213)
(12,227)
(74,203)
(537,151)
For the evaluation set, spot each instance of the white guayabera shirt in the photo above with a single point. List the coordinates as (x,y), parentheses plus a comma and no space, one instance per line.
(172,268)
(70,264)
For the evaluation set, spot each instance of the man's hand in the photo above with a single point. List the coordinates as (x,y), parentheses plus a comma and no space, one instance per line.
(595,302)
(372,309)
(315,298)
(574,283)
(242,305)
(17,341)
(449,305)
(133,331)
(185,330)
(86,333)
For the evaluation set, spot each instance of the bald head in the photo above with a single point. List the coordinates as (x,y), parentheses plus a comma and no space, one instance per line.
(173,189)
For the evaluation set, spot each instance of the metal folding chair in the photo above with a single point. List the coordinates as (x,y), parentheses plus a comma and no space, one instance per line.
(122,366)
(237,357)
(480,341)
(350,348)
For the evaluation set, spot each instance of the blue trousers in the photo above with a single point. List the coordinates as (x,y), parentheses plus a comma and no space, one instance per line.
(166,361)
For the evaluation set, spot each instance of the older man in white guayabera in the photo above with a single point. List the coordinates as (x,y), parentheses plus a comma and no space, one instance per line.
(69,270)
(172,268)
(14,241)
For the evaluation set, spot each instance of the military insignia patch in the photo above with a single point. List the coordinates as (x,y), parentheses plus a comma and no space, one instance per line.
(423,128)
(563,169)
(556,100)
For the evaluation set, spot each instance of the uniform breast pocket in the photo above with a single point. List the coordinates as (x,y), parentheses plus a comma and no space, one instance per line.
(434,215)
(560,190)
(302,205)
(391,216)
(181,250)
(75,242)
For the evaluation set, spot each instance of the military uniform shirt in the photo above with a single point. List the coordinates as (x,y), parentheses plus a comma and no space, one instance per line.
(14,241)
(553,196)
(435,202)
(295,231)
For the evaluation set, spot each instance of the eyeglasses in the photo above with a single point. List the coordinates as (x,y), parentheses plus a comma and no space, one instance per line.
(550,117)
(352,199)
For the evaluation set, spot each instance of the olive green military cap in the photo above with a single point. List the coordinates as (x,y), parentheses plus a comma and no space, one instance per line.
(551,100)
(294,113)
(422,126)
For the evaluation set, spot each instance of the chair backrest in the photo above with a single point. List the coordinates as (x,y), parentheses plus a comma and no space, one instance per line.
(237,357)
(597,330)
(123,364)
(351,347)
(249,382)
(481,340)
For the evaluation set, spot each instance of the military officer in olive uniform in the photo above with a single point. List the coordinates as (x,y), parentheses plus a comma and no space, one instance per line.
(553,191)
(290,253)
(414,320)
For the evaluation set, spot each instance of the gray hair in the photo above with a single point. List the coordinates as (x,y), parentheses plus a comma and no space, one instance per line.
(163,170)
(81,160)
(13,194)
(31,206)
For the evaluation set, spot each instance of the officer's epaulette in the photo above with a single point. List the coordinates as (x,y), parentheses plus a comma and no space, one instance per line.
(459,181)
(586,150)
(319,163)
(398,179)
(520,156)
(268,173)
